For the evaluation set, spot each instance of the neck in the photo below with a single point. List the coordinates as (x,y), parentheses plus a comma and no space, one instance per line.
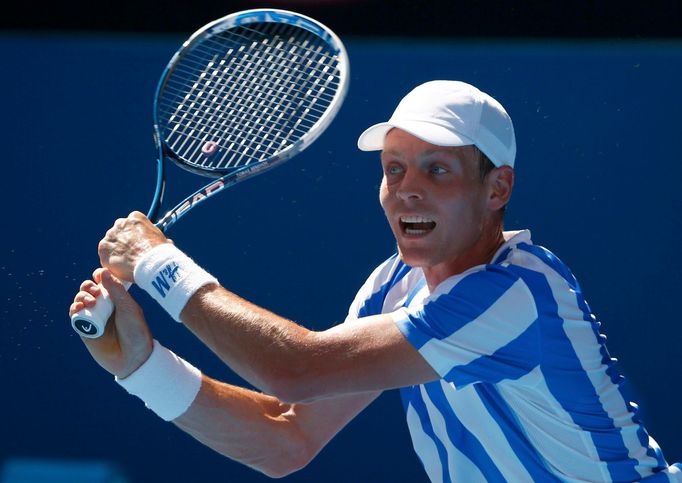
(480,253)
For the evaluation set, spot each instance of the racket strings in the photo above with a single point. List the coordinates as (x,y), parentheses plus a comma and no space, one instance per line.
(279,32)
(270,29)
(270,38)
(268,83)
(256,137)
(217,88)
(264,105)
(182,93)
(177,86)
(295,107)
(236,133)
(250,100)
(251,131)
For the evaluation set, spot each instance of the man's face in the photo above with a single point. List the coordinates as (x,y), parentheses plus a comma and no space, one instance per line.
(434,199)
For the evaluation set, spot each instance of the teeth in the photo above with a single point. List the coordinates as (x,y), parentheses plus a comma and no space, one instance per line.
(415,219)
(411,231)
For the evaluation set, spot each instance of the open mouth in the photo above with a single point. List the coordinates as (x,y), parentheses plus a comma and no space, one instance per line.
(416,225)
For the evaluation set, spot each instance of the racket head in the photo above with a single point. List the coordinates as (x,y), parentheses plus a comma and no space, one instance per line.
(252,88)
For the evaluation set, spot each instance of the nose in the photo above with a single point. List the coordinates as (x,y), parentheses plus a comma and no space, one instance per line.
(410,187)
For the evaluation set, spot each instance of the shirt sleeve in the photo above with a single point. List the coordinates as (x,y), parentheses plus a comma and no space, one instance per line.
(369,300)
(481,327)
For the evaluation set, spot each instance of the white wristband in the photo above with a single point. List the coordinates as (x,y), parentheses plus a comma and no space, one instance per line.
(166,383)
(170,277)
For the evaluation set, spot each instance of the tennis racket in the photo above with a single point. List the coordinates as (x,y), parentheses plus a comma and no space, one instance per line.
(243,94)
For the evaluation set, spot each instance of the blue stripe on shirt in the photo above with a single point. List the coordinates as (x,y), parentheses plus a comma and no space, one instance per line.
(472,296)
(375,302)
(502,256)
(461,438)
(505,418)
(511,361)
(658,478)
(565,376)
(419,406)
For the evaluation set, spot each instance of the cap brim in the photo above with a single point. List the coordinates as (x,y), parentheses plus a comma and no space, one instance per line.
(373,137)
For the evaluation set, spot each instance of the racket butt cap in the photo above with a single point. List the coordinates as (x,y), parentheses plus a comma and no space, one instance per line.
(91,322)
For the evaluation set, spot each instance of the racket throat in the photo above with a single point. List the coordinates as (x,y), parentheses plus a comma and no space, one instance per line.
(172,216)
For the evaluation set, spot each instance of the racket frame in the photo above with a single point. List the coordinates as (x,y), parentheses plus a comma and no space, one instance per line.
(92,323)
(232,176)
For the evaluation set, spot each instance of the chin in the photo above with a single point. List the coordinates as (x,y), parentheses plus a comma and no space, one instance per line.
(415,259)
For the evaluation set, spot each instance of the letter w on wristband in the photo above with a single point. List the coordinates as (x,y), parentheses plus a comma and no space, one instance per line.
(167,278)
(170,277)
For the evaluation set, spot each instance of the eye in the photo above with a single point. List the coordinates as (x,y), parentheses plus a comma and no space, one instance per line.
(394,169)
(438,170)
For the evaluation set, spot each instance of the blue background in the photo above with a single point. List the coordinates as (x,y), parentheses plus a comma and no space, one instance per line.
(598,168)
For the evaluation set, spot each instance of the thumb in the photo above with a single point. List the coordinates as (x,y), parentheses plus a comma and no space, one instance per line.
(118,293)
(130,321)
(128,341)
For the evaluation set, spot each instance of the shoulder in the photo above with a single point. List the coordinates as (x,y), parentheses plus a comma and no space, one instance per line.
(386,278)
(475,326)
(483,292)
(537,265)
(491,277)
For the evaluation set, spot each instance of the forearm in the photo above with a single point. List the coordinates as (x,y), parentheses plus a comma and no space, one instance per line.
(260,346)
(255,429)
(274,354)
(252,428)
(298,365)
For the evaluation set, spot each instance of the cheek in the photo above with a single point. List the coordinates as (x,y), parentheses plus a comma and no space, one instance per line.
(463,210)
(383,194)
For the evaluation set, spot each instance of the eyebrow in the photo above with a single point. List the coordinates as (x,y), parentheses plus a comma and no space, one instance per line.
(429,152)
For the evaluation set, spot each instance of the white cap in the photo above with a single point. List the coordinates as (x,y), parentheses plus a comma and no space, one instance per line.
(450,113)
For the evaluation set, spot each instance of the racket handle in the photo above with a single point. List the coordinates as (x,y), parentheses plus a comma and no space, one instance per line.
(90,322)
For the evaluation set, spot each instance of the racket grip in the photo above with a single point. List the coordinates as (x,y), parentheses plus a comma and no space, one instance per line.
(90,322)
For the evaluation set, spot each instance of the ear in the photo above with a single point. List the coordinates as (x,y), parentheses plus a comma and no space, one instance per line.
(500,182)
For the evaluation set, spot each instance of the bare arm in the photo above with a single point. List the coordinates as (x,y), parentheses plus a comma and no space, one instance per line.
(296,364)
(263,433)
(274,354)
(253,428)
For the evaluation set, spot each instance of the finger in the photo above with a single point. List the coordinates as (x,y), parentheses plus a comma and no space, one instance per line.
(104,251)
(85,298)
(90,286)
(117,292)
(130,323)
(137,215)
(75,307)
(110,236)
(97,275)
(119,223)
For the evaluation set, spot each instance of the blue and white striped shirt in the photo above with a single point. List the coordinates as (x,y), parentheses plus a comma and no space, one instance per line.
(528,391)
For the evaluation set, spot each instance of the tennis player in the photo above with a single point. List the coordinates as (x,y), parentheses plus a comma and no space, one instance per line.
(498,357)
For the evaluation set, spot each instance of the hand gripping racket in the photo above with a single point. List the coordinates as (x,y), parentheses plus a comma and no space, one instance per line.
(242,95)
